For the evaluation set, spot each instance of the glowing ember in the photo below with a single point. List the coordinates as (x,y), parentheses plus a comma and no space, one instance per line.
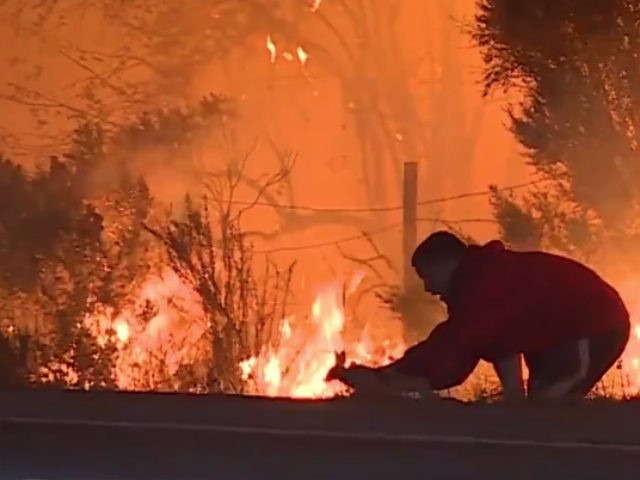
(297,365)
(303,56)
(273,51)
(301,53)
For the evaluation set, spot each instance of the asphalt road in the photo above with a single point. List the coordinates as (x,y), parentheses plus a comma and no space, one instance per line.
(73,436)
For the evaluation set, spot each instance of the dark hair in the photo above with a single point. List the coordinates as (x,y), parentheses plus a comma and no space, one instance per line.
(438,244)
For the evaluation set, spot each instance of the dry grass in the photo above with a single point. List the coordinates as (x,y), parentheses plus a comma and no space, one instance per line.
(483,386)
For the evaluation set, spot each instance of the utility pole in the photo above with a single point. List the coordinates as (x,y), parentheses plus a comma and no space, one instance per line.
(409,221)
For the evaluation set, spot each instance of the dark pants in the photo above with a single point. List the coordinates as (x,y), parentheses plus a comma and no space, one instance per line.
(557,364)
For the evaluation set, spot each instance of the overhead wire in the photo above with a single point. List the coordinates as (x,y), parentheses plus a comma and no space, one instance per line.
(388,227)
(367,234)
(433,201)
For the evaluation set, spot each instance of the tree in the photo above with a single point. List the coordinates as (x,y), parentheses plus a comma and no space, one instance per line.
(152,52)
(575,67)
(51,245)
(73,240)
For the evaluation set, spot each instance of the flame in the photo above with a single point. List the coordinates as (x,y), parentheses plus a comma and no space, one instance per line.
(122,330)
(303,56)
(297,365)
(162,330)
(273,51)
(301,53)
(315,5)
(630,364)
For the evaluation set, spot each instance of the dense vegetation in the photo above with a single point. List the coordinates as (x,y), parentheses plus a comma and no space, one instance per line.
(79,235)
(573,66)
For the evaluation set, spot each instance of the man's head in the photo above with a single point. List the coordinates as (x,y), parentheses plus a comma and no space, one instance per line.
(435,260)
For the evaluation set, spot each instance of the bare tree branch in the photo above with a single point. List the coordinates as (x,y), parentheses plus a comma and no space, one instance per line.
(368,262)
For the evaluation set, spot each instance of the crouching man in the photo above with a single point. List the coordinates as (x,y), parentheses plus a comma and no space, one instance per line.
(566,322)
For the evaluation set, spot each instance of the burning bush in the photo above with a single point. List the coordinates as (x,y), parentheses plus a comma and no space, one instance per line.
(298,363)
(243,309)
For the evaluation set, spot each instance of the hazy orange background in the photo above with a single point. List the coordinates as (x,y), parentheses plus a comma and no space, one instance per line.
(458,138)
(304,110)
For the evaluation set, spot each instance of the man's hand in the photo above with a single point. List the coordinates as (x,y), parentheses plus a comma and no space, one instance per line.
(405,385)
(377,381)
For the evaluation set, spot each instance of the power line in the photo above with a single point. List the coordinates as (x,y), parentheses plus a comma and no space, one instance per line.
(332,242)
(368,234)
(483,193)
(433,201)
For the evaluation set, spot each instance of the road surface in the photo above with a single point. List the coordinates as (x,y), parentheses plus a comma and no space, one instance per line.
(99,436)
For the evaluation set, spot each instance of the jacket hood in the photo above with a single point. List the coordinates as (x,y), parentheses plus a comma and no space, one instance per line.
(492,246)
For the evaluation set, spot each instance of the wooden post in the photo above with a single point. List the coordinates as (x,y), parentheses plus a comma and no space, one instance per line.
(409,221)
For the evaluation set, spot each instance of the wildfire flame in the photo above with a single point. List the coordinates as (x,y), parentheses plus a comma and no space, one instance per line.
(165,328)
(305,352)
(273,51)
(301,54)
(161,331)
(631,357)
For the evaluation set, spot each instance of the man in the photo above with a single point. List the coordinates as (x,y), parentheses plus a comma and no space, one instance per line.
(568,324)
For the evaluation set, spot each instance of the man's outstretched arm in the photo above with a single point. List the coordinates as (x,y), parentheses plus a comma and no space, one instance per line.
(388,380)
(434,364)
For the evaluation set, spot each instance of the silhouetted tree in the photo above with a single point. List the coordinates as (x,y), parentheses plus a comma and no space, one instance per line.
(50,249)
(72,241)
(574,66)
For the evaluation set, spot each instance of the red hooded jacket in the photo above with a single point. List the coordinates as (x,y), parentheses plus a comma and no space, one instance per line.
(504,302)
